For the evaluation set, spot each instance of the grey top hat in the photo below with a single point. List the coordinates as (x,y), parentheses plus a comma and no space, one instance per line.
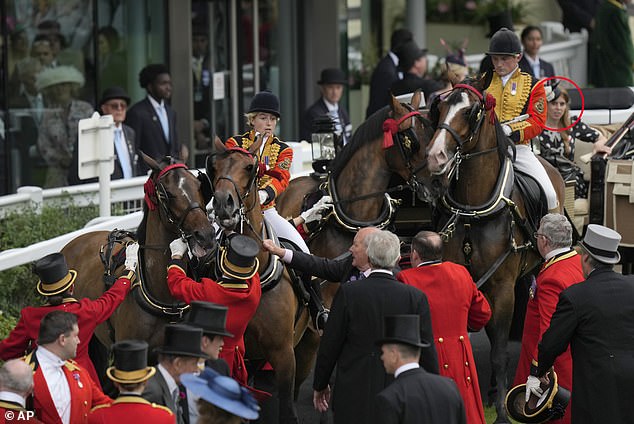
(602,243)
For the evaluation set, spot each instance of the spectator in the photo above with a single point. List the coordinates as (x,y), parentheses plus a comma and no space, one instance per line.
(16,385)
(331,86)
(386,73)
(42,49)
(530,62)
(596,318)
(27,95)
(579,14)
(152,119)
(56,285)
(212,319)
(111,61)
(456,305)
(64,392)
(130,374)
(415,396)
(412,61)
(201,86)
(354,326)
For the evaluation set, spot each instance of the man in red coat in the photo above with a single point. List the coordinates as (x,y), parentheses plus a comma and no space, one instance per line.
(562,268)
(238,289)
(63,391)
(130,374)
(455,304)
(56,285)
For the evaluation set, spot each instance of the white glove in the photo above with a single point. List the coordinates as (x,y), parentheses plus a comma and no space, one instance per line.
(316,212)
(533,386)
(178,247)
(131,256)
(263,195)
(507,130)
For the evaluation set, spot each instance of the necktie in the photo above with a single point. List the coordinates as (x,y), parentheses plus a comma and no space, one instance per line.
(162,114)
(122,153)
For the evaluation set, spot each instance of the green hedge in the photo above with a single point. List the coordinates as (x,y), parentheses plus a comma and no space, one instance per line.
(17,285)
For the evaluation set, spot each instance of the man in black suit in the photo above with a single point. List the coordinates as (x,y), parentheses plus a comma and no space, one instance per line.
(412,61)
(212,319)
(179,355)
(385,74)
(152,119)
(596,317)
(415,396)
(354,326)
(331,85)
(530,62)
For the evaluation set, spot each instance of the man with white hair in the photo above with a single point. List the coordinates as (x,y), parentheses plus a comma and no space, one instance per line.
(16,384)
(355,324)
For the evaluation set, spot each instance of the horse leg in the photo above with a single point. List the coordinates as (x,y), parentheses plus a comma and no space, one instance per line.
(283,362)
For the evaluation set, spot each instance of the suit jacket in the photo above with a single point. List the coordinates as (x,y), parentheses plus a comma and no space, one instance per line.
(117,174)
(338,269)
(318,110)
(354,325)
(545,68)
(411,83)
(577,14)
(150,138)
(419,397)
(131,409)
(157,392)
(384,75)
(596,317)
(455,304)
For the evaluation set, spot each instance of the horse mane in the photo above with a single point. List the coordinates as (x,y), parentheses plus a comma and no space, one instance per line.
(370,129)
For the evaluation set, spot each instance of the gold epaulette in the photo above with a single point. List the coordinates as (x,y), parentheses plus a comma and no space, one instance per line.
(228,285)
(556,259)
(176,266)
(104,405)
(165,408)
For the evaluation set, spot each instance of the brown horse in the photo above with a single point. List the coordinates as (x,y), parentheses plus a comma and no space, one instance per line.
(281,319)
(174,208)
(483,225)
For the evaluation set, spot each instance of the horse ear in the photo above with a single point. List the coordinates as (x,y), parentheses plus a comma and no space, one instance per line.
(416,98)
(219,145)
(256,144)
(394,104)
(150,162)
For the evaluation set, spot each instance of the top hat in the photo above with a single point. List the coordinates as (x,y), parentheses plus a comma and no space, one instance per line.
(602,243)
(551,405)
(238,260)
(55,277)
(505,42)
(399,37)
(223,392)
(130,362)
(210,317)
(114,93)
(265,101)
(408,54)
(332,76)
(182,340)
(403,329)
(498,21)
(58,75)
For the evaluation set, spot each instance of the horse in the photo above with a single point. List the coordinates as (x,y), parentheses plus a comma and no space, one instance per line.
(174,207)
(483,212)
(281,317)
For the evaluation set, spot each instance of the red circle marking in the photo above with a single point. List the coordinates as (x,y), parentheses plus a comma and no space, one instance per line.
(583,103)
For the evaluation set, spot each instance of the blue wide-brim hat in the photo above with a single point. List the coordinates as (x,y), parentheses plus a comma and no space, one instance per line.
(223,392)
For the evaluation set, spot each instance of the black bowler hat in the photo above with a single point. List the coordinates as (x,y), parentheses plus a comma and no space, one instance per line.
(238,260)
(265,101)
(408,54)
(550,406)
(130,362)
(505,42)
(114,93)
(210,317)
(182,340)
(403,329)
(55,277)
(332,76)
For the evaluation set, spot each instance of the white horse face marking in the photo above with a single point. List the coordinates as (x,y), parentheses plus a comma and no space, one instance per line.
(438,155)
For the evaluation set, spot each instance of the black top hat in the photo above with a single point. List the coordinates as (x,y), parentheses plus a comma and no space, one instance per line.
(238,260)
(505,42)
(55,277)
(210,317)
(602,243)
(114,93)
(550,406)
(130,362)
(404,329)
(332,76)
(182,340)
(408,54)
(498,21)
(265,101)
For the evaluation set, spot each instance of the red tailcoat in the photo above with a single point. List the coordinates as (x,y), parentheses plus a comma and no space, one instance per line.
(131,409)
(455,305)
(90,313)
(242,302)
(557,274)
(16,415)
(85,394)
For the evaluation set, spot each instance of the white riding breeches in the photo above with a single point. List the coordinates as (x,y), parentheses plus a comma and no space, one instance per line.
(284,229)
(527,162)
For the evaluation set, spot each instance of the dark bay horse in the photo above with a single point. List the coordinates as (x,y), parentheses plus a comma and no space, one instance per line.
(174,207)
(484,212)
(281,319)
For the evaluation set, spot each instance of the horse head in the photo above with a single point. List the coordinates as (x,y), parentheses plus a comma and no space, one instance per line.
(233,173)
(177,196)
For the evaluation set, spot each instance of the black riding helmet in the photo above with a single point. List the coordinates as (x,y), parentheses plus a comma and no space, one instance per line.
(265,101)
(505,42)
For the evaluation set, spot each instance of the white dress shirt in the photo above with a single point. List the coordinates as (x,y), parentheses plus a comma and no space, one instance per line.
(406,367)
(51,366)
(12,397)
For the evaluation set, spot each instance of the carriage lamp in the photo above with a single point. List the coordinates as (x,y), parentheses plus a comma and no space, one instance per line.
(324,142)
